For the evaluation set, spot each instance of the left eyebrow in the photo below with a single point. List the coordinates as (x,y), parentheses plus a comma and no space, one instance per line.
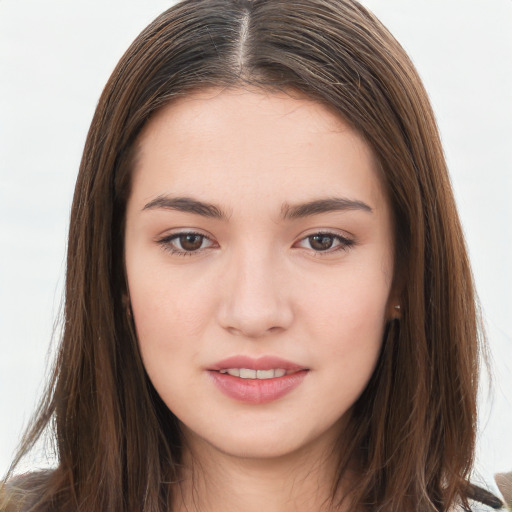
(331,204)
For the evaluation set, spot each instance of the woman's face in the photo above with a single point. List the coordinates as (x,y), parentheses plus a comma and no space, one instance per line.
(259,258)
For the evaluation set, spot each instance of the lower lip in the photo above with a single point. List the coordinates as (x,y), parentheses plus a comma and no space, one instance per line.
(257,391)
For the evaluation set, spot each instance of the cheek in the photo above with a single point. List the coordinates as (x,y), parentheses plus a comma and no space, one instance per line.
(347,318)
(170,313)
(352,300)
(169,324)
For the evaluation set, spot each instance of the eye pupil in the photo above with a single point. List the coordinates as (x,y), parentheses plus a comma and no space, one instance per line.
(191,242)
(321,242)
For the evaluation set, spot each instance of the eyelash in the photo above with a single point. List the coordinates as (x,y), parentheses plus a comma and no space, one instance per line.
(166,243)
(344,243)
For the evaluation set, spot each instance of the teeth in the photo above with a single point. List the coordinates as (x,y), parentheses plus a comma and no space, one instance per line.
(246,373)
(265,374)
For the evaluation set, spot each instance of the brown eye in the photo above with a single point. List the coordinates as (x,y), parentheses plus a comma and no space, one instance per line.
(190,241)
(325,242)
(186,243)
(321,242)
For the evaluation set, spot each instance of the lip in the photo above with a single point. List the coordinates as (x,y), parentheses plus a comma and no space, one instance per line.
(256,391)
(260,363)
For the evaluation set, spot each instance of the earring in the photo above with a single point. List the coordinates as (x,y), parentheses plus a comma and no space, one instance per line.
(397,312)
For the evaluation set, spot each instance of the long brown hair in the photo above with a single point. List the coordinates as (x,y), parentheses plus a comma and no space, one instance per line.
(413,429)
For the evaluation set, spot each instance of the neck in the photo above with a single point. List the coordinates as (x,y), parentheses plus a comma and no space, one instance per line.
(296,482)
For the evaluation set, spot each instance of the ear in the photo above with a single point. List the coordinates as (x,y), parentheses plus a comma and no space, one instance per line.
(394,307)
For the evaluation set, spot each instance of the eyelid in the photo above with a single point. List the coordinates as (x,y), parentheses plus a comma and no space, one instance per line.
(345,242)
(165,241)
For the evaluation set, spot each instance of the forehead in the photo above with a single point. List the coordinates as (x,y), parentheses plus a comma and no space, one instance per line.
(235,144)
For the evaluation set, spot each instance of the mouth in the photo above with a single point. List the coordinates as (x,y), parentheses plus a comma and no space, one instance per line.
(248,373)
(247,367)
(257,381)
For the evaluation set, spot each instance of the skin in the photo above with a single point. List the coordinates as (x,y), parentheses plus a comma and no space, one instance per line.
(258,285)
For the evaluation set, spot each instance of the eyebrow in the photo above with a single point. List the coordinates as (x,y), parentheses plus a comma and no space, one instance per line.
(331,204)
(187,205)
(288,212)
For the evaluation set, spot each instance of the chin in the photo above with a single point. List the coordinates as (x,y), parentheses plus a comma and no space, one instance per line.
(273,442)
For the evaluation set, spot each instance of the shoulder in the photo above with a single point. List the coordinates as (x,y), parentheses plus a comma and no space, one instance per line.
(480,507)
(21,492)
(483,498)
(475,506)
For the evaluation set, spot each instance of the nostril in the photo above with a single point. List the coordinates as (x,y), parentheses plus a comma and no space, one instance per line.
(253,310)
(253,332)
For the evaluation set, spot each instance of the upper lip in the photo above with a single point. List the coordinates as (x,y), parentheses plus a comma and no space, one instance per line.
(259,363)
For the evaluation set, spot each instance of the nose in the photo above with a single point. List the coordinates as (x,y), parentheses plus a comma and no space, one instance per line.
(254,302)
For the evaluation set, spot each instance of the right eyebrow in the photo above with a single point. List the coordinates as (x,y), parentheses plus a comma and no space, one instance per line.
(187,205)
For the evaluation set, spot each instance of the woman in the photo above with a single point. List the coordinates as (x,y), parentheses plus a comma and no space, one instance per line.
(257,310)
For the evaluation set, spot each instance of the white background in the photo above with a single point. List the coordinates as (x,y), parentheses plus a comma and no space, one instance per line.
(55,57)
